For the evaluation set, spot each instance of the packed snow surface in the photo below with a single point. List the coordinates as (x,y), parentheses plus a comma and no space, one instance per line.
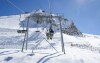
(84,49)
(78,49)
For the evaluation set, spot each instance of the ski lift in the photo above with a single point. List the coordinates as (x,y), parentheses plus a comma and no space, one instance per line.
(22,30)
(37,31)
(37,22)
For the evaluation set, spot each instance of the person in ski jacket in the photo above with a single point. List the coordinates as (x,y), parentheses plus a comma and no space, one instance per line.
(47,34)
(51,33)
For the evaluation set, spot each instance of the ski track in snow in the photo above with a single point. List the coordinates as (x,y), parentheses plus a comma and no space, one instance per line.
(47,57)
(8,52)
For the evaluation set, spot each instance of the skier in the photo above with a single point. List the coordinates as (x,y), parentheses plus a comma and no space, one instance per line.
(51,33)
(47,34)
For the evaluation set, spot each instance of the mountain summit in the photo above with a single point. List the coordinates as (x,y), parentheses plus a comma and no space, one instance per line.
(40,18)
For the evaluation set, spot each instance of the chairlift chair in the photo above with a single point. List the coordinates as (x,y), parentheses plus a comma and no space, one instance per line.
(22,30)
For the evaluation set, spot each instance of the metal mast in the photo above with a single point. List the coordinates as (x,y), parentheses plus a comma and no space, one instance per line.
(26,36)
(60,18)
(49,5)
(62,41)
(27,33)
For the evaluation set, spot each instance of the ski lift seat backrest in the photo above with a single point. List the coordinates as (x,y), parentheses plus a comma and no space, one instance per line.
(37,31)
(21,31)
(51,30)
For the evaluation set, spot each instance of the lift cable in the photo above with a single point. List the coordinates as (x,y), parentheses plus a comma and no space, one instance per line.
(15,6)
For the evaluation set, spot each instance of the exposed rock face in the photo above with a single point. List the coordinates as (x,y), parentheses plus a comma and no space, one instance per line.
(72,30)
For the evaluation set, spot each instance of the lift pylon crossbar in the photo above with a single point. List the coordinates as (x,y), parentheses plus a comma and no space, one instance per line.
(46,41)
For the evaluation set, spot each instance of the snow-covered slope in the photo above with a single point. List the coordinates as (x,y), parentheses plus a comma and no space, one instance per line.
(9,21)
(79,49)
(19,21)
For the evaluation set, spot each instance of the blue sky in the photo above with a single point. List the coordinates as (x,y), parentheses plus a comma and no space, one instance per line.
(84,13)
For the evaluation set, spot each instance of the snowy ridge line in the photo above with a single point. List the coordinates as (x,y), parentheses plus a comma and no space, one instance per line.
(10,16)
(84,46)
(90,35)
